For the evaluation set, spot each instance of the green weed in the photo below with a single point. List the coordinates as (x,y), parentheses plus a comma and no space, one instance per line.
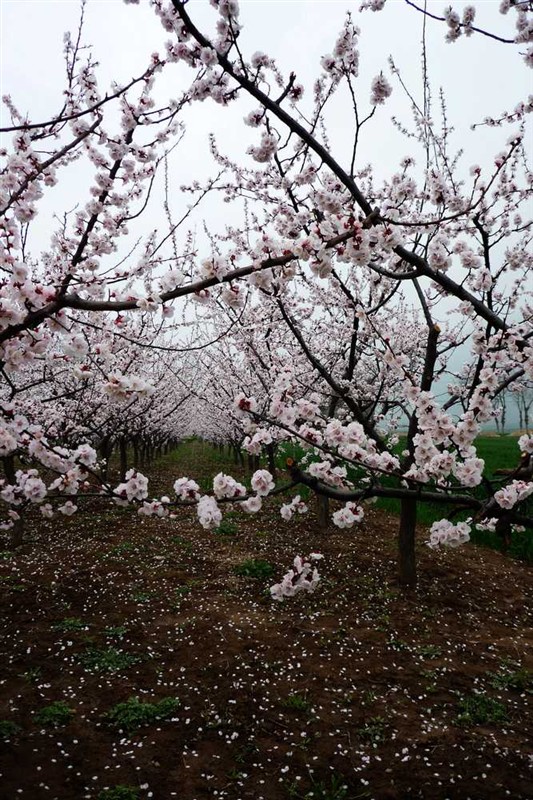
(119,793)
(55,715)
(335,789)
(373,731)
(227,528)
(429,651)
(133,714)
(70,625)
(116,632)
(477,709)
(8,729)
(520,680)
(107,660)
(296,702)
(255,568)
(32,674)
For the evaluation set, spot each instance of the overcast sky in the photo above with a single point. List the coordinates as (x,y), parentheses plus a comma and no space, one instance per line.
(480,77)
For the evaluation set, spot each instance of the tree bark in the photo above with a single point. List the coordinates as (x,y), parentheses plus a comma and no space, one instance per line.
(406,543)
(105,448)
(271,454)
(322,511)
(17,531)
(123,451)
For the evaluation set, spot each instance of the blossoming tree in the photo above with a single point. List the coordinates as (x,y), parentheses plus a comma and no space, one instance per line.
(377,284)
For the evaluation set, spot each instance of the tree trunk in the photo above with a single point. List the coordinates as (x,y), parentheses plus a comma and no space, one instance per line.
(322,511)
(105,448)
(123,451)
(271,454)
(17,531)
(406,543)
(17,534)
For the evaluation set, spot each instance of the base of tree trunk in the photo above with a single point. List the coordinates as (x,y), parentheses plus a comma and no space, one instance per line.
(406,544)
(322,511)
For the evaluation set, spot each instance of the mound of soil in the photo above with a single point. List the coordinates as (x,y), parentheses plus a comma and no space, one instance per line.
(359,690)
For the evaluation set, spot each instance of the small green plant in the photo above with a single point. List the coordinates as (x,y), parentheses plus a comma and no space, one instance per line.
(32,674)
(245,752)
(398,644)
(119,793)
(121,549)
(519,680)
(180,541)
(236,775)
(335,789)
(431,676)
(297,702)
(8,729)
(142,597)
(107,660)
(477,709)
(373,731)
(115,632)
(179,593)
(55,715)
(430,651)
(369,697)
(255,568)
(70,625)
(383,621)
(227,528)
(133,714)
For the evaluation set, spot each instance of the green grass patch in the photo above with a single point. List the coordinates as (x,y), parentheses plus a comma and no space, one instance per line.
(70,625)
(107,659)
(8,729)
(373,731)
(518,680)
(227,528)
(56,715)
(120,792)
(334,789)
(133,714)
(256,568)
(478,709)
(115,631)
(297,702)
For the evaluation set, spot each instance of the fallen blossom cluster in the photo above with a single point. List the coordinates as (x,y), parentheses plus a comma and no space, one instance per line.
(303,577)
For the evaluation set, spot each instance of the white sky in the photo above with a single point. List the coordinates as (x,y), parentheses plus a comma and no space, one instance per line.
(480,77)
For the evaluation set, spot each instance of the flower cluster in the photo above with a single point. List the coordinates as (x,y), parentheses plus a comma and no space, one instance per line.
(209,514)
(513,493)
(226,486)
(302,578)
(186,489)
(445,532)
(296,505)
(348,516)
(262,482)
(135,487)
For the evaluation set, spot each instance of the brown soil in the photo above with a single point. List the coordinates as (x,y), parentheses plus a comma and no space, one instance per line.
(353,692)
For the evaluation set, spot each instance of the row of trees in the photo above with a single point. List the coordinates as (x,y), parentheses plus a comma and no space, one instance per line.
(333,309)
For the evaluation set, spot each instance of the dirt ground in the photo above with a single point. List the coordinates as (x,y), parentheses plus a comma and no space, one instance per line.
(356,691)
